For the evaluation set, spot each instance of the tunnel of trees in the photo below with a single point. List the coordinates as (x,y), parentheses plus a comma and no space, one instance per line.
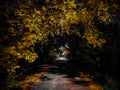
(31,31)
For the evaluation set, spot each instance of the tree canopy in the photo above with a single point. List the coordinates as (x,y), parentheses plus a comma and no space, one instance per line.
(24,22)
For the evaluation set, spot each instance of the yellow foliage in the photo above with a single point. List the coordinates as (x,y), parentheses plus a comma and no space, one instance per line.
(95,87)
(43,8)
(91,84)
(29,24)
(30,81)
(92,36)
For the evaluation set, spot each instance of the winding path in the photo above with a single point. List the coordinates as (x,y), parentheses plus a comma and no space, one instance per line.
(56,81)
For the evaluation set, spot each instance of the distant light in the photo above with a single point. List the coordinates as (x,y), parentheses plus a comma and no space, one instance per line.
(61,58)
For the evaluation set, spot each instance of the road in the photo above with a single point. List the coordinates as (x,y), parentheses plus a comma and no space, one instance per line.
(57,81)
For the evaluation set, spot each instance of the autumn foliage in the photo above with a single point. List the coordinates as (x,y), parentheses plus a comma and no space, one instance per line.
(25,22)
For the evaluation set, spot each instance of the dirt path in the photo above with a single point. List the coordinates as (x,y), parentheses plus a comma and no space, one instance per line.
(54,81)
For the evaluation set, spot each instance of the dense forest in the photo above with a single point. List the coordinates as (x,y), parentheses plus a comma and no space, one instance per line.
(31,31)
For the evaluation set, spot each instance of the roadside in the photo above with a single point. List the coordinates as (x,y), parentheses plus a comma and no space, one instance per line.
(30,81)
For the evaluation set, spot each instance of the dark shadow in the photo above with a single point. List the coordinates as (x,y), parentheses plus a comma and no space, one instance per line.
(46,78)
(66,67)
(81,82)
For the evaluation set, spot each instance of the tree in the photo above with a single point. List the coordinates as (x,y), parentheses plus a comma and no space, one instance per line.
(26,21)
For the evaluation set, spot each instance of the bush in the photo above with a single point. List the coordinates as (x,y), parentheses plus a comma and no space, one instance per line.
(111,84)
